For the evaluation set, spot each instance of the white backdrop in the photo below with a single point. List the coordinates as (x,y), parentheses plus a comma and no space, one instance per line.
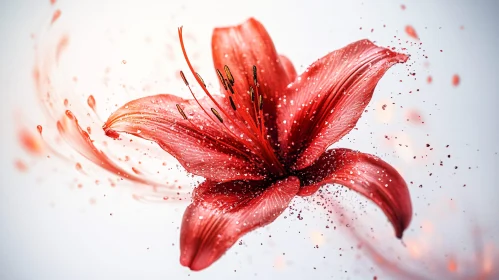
(53,229)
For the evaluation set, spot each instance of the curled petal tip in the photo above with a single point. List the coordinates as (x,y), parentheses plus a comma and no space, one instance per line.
(366,174)
(402,225)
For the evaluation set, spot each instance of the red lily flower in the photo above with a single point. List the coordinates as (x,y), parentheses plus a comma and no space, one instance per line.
(265,140)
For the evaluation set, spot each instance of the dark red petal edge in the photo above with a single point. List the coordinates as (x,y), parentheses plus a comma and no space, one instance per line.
(365,174)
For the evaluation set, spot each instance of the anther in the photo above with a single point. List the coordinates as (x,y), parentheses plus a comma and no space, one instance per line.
(199,76)
(217,115)
(183,78)
(254,75)
(222,80)
(181,111)
(260,102)
(232,103)
(252,94)
(229,75)
(230,87)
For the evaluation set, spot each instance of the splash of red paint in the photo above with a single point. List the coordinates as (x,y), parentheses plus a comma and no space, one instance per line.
(79,139)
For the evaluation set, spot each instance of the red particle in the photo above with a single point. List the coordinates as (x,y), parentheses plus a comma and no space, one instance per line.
(402,7)
(414,117)
(452,265)
(52,2)
(66,102)
(39,128)
(411,32)
(456,80)
(70,115)
(20,165)
(91,102)
(78,166)
(429,79)
(55,16)
(383,107)
(135,170)
(30,142)
(61,47)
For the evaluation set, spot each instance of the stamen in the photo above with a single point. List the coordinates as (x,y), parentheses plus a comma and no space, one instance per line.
(199,76)
(232,103)
(215,112)
(254,75)
(222,80)
(181,111)
(183,78)
(229,74)
(230,87)
(251,131)
(260,102)
(252,94)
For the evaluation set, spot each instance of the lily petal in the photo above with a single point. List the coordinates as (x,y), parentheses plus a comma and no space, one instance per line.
(365,174)
(203,146)
(223,212)
(289,68)
(326,101)
(242,46)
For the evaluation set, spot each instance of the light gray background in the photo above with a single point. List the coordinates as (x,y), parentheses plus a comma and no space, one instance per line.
(49,230)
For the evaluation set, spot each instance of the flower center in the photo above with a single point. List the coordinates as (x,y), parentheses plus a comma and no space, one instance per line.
(251,125)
